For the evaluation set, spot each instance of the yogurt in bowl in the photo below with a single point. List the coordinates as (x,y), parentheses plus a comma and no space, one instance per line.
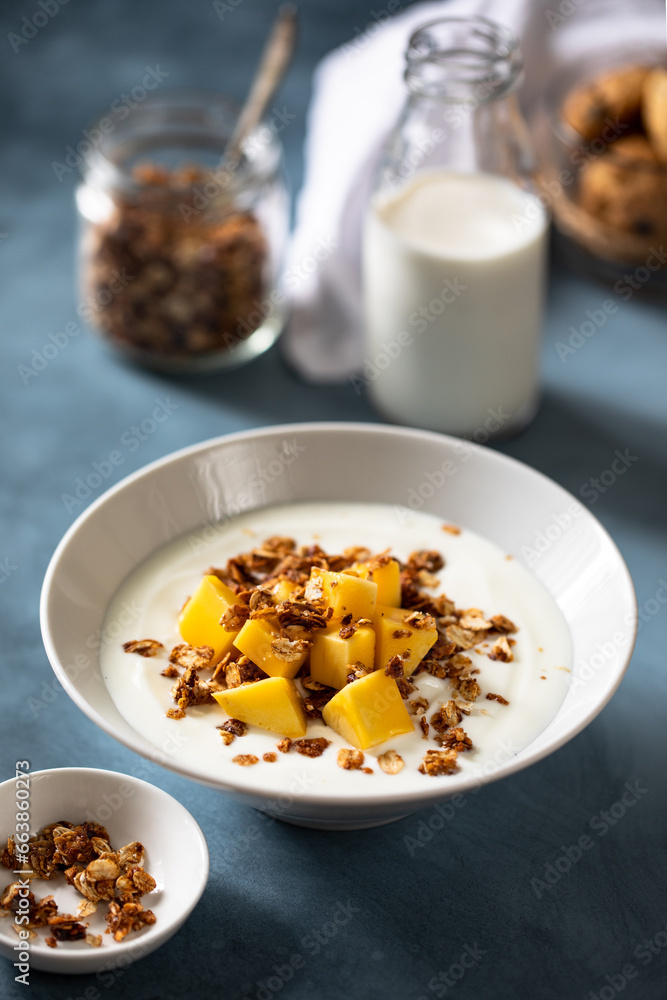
(342,485)
(476,574)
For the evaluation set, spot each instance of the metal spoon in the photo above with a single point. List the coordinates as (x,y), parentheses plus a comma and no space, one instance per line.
(276,57)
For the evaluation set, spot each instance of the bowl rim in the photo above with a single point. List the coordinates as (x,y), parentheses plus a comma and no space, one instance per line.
(420,795)
(163,929)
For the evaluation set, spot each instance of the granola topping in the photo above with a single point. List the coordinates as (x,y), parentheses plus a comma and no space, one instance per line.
(191,657)
(438,762)
(449,714)
(405,687)
(395,666)
(283,595)
(350,760)
(311,747)
(391,762)
(502,624)
(289,650)
(234,726)
(245,759)
(144,647)
(475,622)
(501,650)
(469,689)
(455,739)
(280,583)
(358,670)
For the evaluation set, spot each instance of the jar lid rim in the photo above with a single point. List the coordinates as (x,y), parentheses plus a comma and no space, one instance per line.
(155,109)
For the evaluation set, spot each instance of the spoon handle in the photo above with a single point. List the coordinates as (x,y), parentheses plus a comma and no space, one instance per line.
(275,59)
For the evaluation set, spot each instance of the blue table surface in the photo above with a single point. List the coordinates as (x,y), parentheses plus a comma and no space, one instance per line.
(381,913)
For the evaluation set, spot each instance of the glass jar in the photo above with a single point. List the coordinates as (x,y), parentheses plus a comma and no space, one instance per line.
(180,258)
(454,245)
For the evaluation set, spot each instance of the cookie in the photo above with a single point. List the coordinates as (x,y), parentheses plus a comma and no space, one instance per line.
(630,198)
(609,100)
(654,110)
(634,149)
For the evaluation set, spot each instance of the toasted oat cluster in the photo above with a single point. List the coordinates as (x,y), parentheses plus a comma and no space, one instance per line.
(350,760)
(245,759)
(437,762)
(144,647)
(311,748)
(391,762)
(276,585)
(84,855)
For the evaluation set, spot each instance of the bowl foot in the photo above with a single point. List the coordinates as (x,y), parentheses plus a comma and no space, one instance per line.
(339,824)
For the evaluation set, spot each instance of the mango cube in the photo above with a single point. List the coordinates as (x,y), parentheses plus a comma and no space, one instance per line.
(199,621)
(331,656)
(394,636)
(386,573)
(368,711)
(346,594)
(283,591)
(272,704)
(261,642)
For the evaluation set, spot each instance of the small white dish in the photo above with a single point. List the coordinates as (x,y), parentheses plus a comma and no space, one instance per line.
(176,856)
(518,509)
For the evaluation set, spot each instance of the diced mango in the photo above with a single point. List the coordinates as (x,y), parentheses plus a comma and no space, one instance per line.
(272,704)
(390,640)
(331,656)
(368,711)
(258,639)
(346,594)
(283,591)
(387,576)
(199,621)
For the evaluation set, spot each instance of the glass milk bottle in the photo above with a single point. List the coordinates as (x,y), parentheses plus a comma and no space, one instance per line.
(455,242)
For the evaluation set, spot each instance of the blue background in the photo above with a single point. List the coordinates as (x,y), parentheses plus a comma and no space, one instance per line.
(405,912)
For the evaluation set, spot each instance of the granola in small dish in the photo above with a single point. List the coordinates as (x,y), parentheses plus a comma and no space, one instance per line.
(80,855)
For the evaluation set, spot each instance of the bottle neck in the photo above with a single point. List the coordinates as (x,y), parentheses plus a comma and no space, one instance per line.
(467,61)
(462,114)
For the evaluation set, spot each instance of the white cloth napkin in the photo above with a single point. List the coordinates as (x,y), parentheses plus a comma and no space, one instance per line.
(358,92)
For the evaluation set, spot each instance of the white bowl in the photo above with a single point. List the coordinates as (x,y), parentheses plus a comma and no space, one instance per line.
(130,809)
(499,498)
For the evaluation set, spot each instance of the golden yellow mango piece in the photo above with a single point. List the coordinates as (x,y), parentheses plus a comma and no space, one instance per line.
(368,711)
(346,594)
(393,636)
(199,621)
(272,704)
(261,642)
(331,656)
(283,591)
(386,573)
